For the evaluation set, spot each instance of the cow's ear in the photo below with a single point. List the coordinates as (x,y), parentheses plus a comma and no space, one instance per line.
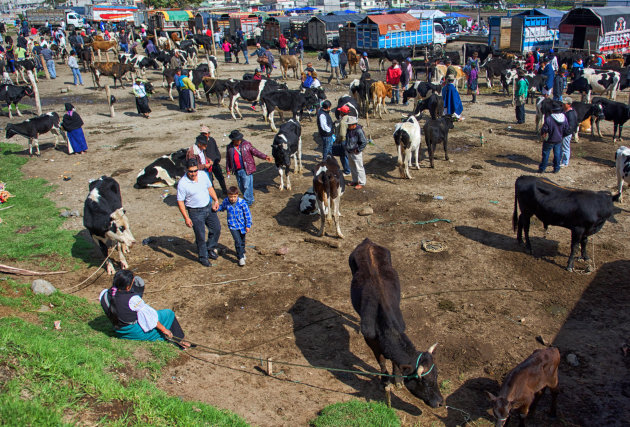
(491,397)
(406,369)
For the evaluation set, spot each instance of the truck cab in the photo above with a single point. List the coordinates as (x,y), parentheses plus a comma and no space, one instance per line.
(439,35)
(73,20)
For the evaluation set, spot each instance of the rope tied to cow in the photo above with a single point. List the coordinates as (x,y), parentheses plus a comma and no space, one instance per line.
(78,287)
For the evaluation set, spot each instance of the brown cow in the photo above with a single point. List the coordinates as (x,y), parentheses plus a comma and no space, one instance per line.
(353,60)
(525,384)
(290,61)
(378,92)
(114,69)
(440,73)
(104,46)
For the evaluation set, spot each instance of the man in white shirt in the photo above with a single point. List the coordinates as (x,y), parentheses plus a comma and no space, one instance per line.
(194,191)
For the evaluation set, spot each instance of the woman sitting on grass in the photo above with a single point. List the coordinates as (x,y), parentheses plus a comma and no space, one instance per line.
(133,319)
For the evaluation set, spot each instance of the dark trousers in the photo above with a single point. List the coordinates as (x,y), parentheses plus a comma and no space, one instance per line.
(239,243)
(337,150)
(520,113)
(202,218)
(218,174)
(176,329)
(557,153)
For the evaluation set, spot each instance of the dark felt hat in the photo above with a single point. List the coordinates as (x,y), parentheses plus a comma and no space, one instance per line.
(69,107)
(235,134)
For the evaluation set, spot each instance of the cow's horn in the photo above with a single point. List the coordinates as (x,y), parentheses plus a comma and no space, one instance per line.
(432,348)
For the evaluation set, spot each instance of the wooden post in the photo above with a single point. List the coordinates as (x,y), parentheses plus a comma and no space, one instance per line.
(388,395)
(270,366)
(514,89)
(155,40)
(589,47)
(181,30)
(481,138)
(41,58)
(38,103)
(106,55)
(212,46)
(108,94)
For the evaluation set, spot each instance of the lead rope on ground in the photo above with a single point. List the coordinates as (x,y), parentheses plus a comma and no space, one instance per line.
(77,287)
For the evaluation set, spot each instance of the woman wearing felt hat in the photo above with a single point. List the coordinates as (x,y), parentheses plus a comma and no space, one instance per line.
(239,161)
(72,124)
(142,100)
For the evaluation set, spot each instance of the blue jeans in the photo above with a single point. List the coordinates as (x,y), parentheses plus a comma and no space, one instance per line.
(50,64)
(337,150)
(201,218)
(327,143)
(557,152)
(566,150)
(76,74)
(246,185)
(246,56)
(125,47)
(239,243)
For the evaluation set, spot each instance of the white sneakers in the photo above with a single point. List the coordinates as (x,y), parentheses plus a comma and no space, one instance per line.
(241,262)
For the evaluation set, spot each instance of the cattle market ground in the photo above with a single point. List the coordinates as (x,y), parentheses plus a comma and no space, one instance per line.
(483,299)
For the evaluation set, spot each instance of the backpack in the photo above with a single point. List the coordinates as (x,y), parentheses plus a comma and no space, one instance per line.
(308,81)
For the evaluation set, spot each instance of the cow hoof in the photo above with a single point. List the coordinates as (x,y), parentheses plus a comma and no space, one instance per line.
(320,233)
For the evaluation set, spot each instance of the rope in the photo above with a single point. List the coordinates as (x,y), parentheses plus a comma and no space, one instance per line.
(71,290)
(233,280)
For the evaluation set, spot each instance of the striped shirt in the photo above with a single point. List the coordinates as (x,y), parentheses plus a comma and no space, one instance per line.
(238,215)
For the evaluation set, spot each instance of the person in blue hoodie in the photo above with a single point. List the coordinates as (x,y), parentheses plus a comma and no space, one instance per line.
(547,71)
(452,101)
(553,131)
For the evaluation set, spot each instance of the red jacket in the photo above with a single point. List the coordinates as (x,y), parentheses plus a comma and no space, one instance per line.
(247,157)
(282,41)
(393,75)
(529,63)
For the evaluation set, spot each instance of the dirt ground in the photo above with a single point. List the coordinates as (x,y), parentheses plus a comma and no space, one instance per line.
(484,300)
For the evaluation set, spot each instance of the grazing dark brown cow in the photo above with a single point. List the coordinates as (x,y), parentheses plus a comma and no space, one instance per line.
(329,185)
(436,131)
(581,211)
(375,294)
(114,69)
(525,384)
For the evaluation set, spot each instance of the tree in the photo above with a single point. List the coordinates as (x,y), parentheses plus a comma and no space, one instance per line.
(175,4)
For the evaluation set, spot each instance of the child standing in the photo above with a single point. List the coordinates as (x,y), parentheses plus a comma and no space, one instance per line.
(239,221)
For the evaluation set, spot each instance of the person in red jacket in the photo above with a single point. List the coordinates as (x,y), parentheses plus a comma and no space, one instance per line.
(529,62)
(393,78)
(239,161)
(282,43)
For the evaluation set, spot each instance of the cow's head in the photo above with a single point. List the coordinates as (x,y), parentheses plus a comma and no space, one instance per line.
(388,90)
(119,230)
(28,91)
(280,151)
(421,378)
(501,408)
(149,87)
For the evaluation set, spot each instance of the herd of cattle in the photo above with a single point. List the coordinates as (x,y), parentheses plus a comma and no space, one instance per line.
(375,287)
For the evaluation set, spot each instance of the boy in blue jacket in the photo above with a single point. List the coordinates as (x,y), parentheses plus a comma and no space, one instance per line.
(239,221)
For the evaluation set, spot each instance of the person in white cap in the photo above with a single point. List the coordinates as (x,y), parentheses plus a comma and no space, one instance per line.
(354,144)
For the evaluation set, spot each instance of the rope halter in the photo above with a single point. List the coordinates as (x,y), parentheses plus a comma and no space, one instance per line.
(415,372)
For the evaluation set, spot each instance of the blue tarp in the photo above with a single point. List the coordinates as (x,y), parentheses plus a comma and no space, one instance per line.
(456,15)
(555,16)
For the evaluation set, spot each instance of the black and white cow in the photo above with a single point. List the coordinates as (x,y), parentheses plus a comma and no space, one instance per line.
(581,211)
(599,82)
(164,171)
(24,66)
(495,67)
(329,185)
(33,128)
(12,95)
(287,144)
(613,111)
(308,203)
(140,62)
(407,138)
(289,100)
(218,87)
(420,90)
(622,165)
(436,131)
(360,90)
(106,220)
(350,102)
(250,90)
(434,103)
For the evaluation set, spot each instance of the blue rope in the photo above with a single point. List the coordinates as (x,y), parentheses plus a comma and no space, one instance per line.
(415,374)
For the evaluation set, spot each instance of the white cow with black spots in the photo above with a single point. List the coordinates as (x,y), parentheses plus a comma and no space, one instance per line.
(622,160)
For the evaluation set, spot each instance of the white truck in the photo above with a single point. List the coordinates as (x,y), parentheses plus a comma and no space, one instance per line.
(55,17)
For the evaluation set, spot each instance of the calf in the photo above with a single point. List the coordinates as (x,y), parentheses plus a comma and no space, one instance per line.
(433,103)
(525,384)
(217,87)
(420,90)
(329,185)
(250,90)
(287,144)
(289,100)
(616,112)
(407,138)
(12,95)
(168,79)
(586,111)
(25,65)
(360,90)
(622,166)
(140,62)
(33,128)
(436,131)
(106,220)
(308,203)
(375,295)
(104,46)
(378,92)
(581,211)
(483,50)
(164,171)
(114,69)
(439,73)
(290,62)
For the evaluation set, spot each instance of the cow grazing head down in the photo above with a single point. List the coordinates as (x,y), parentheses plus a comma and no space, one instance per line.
(421,379)
(119,229)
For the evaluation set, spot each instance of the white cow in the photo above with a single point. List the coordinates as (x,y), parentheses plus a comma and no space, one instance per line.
(622,160)
(407,137)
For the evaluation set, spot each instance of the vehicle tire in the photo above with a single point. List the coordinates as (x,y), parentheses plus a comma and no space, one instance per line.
(437,50)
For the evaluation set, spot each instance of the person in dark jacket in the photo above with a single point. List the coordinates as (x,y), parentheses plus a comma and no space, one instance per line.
(214,156)
(240,162)
(134,319)
(554,129)
(326,128)
(572,120)
(559,84)
(343,61)
(547,71)
(354,144)
(72,124)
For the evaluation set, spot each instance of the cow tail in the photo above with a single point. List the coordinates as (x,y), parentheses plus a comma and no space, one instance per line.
(515,214)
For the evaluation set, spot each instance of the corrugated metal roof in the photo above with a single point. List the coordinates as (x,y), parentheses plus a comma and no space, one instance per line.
(333,22)
(393,22)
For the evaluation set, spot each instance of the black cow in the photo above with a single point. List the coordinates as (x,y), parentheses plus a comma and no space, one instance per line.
(12,95)
(436,131)
(289,100)
(32,128)
(324,56)
(585,111)
(251,90)
(203,41)
(535,82)
(433,103)
(105,219)
(217,87)
(613,111)
(352,105)
(581,211)
(482,50)
(544,106)
(286,144)
(397,53)
(164,171)
(375,295)
(360,90)
(420,90)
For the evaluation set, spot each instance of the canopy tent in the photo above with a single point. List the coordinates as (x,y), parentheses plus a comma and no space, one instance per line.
(457,15)
(177,15)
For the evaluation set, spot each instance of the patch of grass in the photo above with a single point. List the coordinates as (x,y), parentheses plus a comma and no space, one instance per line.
(20,107)
(445,386)
(446,305)
(357,414)
(68,376)
(31,207)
